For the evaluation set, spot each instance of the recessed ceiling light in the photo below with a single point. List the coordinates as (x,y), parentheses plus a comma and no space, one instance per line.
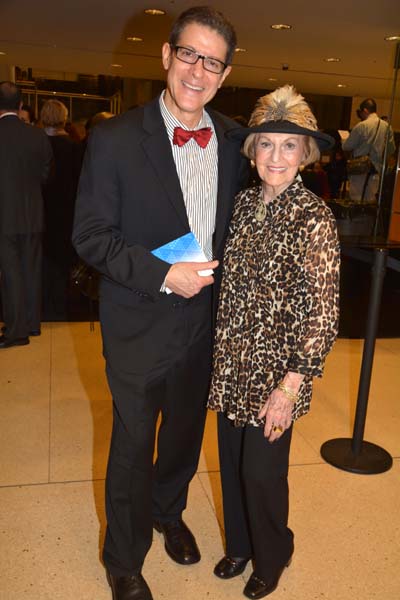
(116,65)
(2,53)
(240,50)
(342,85)
(154,11)
(281,26)
(392,38)
(133,38)
(332,59)
(272,79)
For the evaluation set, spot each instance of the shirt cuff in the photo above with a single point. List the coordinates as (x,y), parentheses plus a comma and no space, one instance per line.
(313,366)
(164,289)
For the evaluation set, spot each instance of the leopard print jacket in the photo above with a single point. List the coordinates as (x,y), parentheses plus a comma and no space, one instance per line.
(279,301)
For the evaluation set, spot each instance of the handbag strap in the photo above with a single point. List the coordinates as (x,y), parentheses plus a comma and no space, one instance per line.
(374,138)
(368,175)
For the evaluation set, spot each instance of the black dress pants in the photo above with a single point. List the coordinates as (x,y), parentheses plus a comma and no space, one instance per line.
(136,490)
(21,283)
(255,495)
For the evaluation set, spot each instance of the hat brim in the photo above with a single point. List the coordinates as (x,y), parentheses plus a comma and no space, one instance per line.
(324,141)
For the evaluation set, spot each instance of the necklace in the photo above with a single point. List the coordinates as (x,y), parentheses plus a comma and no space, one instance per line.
(261,210)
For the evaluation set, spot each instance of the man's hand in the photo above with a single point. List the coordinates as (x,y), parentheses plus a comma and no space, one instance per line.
(183,277)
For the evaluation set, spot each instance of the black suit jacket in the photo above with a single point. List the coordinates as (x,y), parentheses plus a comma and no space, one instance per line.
(59,194)
(25,161)
(130,202)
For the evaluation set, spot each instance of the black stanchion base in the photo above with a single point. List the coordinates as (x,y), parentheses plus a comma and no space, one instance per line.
(371,460)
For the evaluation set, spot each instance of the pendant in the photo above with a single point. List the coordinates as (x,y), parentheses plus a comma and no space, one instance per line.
(261,211)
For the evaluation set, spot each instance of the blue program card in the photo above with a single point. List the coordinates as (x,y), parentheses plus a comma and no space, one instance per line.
(184,249)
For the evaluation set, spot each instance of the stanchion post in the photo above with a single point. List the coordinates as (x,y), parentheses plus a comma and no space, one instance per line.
(355,454)
(378,276)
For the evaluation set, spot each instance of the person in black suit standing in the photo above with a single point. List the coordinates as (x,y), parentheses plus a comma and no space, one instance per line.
(25,162)
(150,176)
(59,195)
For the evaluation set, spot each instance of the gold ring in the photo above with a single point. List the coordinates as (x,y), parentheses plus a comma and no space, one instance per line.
(277,428)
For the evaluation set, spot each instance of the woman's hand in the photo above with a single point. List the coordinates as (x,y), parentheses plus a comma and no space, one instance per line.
(278,415)
(278,408)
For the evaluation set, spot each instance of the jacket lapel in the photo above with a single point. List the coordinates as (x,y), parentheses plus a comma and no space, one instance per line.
(226,160)
(158,150)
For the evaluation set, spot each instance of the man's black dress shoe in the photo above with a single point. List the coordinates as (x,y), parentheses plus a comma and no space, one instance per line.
(179,541)
(230,566)
(258,588)
(132,587)
(5,343)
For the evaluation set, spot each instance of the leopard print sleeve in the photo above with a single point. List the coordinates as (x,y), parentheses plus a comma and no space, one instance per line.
(321,267)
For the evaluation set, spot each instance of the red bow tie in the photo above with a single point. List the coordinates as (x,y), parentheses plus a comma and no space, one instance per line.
(202,136)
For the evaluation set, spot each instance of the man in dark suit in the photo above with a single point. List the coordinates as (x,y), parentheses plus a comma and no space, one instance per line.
(150,176)
(25,161)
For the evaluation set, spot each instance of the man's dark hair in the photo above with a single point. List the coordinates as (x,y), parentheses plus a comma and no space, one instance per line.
(208,17)
(369,104)
(10,96)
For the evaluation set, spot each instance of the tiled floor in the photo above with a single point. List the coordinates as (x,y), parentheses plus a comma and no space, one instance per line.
(54,430)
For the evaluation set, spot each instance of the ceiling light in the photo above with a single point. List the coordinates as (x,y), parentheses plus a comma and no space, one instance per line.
(133,38)
(342,85)
(2,53)
(392,38)
(280,26)
(116,65)
(240,50)
(332,59)
(154,11)
(272,79)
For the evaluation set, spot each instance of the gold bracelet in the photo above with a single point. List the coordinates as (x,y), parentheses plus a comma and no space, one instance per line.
(288,393)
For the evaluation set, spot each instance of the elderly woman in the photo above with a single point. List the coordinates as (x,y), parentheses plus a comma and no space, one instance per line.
(277,321)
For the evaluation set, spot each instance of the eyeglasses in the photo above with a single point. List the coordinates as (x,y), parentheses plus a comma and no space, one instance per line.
(191,57)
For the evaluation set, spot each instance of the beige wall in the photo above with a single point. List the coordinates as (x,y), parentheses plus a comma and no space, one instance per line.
(7,73)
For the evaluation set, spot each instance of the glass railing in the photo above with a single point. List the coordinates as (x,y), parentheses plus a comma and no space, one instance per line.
(80,106)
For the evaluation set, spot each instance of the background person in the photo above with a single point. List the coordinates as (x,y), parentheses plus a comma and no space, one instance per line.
(96,119)
(25,160)
(277,320)
(26,114)
(368,138)
(315,179)
(59,196)
(336,167)
(92,122)
(150,176)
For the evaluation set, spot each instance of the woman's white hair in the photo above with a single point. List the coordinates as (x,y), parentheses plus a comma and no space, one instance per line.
(284,104)
(54,113)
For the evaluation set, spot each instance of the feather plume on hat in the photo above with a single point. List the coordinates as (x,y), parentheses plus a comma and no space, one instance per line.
(283,111)
(284,104)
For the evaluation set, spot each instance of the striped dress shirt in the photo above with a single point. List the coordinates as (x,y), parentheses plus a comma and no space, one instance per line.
(197,170)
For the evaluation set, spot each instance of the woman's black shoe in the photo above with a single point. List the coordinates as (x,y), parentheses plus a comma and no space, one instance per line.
(230,566)
(258,588)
